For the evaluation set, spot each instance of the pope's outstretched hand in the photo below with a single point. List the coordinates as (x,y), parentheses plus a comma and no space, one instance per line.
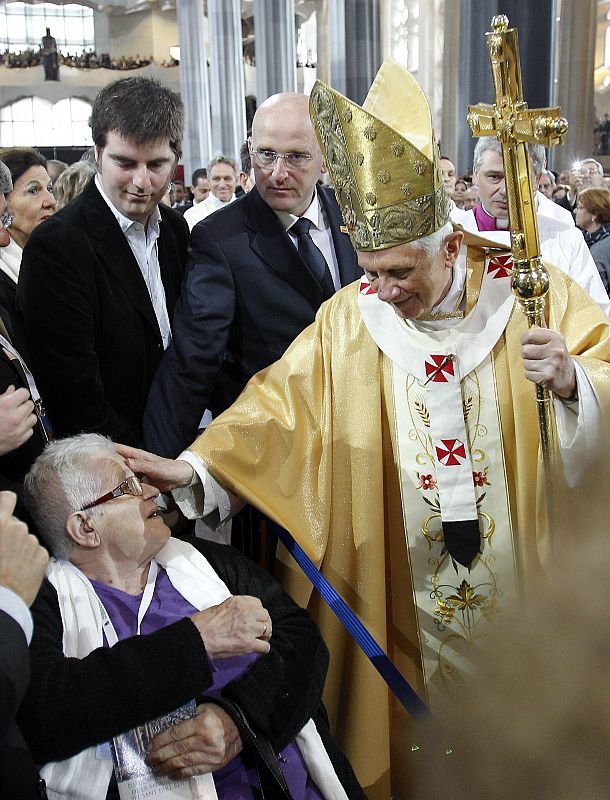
(164,473)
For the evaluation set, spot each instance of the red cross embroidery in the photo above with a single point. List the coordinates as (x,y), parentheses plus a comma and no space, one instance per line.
(501,265)
(366,288)
(451,453)
(436,370)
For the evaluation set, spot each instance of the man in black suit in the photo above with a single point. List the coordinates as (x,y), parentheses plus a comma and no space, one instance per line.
(22,567)
(97,289)
(251,286)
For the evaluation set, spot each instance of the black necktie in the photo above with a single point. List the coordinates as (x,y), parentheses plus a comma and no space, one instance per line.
(312,256)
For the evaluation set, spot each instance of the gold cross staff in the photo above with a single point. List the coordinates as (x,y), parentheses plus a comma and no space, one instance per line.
(510,120)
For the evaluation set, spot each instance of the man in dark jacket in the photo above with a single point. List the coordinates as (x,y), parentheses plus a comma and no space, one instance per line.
(22,566)
(97,288)
(252,283)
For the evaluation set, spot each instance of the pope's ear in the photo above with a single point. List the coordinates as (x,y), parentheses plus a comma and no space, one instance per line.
(453,242)
(81,528)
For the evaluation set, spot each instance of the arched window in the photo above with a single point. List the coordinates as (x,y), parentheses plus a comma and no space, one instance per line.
(22,26)
(34,122)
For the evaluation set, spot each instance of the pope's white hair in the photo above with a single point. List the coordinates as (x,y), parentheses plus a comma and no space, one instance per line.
(432,243)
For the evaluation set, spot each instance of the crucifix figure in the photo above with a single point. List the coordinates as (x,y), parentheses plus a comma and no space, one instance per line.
(514,124)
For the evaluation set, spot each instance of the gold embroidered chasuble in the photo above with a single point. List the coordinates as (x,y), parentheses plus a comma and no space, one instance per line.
(312,442)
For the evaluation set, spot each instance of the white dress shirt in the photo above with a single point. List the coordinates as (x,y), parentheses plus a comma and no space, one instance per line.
(203,209)
(143,243)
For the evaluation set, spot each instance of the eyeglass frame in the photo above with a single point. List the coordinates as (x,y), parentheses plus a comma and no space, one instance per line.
(131,486)
(256,156)
(6,219)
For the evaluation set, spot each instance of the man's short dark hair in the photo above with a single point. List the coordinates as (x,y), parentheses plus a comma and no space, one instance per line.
(246,160)
(140,109)
(199,173)
(20,159)
(177,182)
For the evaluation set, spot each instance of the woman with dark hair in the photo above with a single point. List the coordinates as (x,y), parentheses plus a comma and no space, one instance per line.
(458,193)
(30,202)
(593,217)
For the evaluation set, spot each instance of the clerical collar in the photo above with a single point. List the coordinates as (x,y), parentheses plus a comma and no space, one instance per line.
(486,221)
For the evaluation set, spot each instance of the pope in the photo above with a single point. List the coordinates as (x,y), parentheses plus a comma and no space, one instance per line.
(397,438)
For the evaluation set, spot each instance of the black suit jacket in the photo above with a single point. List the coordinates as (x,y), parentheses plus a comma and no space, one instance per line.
(15,464)
(565,203)
(83,307)
(8,291)
(247,294)
(18,776)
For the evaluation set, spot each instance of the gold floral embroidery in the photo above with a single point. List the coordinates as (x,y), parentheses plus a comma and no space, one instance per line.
(370,133)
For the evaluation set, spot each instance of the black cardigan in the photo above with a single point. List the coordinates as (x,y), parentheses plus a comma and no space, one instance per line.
(72,704)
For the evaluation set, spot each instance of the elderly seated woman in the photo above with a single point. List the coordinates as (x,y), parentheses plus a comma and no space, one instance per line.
(133,624)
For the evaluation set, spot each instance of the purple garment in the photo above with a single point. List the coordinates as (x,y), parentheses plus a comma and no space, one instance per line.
(485,222)
(237,780)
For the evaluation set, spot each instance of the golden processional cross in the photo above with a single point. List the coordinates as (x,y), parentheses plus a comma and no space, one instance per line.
(514,124)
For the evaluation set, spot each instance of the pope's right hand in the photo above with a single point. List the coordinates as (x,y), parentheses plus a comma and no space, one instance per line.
(164,473)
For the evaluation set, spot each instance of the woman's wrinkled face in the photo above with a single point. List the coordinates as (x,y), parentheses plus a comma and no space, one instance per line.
(31,201)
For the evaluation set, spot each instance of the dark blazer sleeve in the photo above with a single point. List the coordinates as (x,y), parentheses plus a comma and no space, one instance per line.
(14,670)
(57,305)
(182,387)
(72,703)
(283,688)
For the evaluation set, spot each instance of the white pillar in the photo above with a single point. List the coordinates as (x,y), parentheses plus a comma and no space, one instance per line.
(275,50)
(197,145)
(575,89)
(227,88)
(355,46)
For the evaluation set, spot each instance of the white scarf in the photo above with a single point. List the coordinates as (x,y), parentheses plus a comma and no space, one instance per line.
(85,777)
(10,260)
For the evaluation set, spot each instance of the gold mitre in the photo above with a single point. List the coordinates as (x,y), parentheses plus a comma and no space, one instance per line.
(382,159)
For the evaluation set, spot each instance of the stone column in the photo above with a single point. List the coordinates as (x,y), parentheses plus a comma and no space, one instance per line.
(275,49)
(452,118)
(197,146)
(575,88)
(471,82)
(227,89)
(101,32)
(355,46)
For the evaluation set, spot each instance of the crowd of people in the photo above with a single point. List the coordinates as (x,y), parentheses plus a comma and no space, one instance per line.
(347,362)
(87,59)
(589,211)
